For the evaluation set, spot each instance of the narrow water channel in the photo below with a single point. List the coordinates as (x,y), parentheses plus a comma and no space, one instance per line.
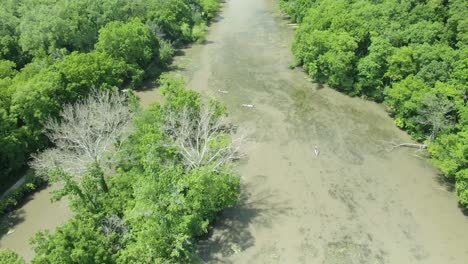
(353,203)
(37,213)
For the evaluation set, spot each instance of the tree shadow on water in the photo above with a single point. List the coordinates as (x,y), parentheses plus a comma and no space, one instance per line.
(10,220)
(447,183)
(463,209)
(207,42)
(231,233)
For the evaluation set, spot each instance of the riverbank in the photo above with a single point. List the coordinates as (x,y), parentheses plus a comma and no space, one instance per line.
(36,213)
(354,203)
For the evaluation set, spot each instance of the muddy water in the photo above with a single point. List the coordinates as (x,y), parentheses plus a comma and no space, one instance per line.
(355,202)
(38,213)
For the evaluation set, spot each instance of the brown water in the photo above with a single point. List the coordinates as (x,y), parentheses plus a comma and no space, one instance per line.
(355,202)
(38,213)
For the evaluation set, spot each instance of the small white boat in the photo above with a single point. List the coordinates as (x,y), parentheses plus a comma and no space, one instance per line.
(248,105)
(223,92)
(316,151)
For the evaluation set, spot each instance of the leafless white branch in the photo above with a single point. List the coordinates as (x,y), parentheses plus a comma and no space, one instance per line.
(89,131)
(203,138)
(390,146)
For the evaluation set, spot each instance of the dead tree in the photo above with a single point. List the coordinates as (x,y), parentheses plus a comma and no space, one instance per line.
(434,114)
(390,146)
(203,137)
(113,225)
(88,133)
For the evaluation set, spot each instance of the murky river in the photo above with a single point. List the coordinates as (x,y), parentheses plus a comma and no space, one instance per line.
(354,203)
(38,213)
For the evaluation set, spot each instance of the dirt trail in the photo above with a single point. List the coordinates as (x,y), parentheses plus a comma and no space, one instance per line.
(354,203)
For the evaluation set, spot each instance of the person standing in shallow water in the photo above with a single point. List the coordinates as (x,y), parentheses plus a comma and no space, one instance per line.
(316,151)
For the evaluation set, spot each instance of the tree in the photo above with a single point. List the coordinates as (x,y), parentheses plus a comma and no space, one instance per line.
(37,98)
(202,138)
(157,207)
(9,35)
(296,9)
(172,17)
(38,17)
(132,42)
(87,141)
(461,186)
(84,71)
(401,64)
(80,240)
(175,197)
(450,153)
(434,113)
(210,7)
(172,208)
(372,68)
(8,256)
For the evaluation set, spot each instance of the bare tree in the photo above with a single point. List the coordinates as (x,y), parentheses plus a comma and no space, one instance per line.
(203,137)
(88,133)
(434,113)
(113,224)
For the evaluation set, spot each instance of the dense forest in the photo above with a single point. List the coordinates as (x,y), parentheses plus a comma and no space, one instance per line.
(410,54)
(53,52)
(144,185)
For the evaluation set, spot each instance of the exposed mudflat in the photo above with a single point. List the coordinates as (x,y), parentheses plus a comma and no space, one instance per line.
(355,202)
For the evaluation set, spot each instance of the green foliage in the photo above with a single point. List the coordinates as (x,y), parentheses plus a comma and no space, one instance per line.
(155,208)
(297,9)
(132,42)
(372,69)
(450,151)
(7,69)
(210,8)
(47,61)
(8,256)
(461,187)
(328,57)
(80,240)
(47,58)
(83,71)
(9,38)
(171,16)
(401,64)
(172,208)
(37,99)
(410,54)
(8,203)
(166,51)
(177,95)
(199,32)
